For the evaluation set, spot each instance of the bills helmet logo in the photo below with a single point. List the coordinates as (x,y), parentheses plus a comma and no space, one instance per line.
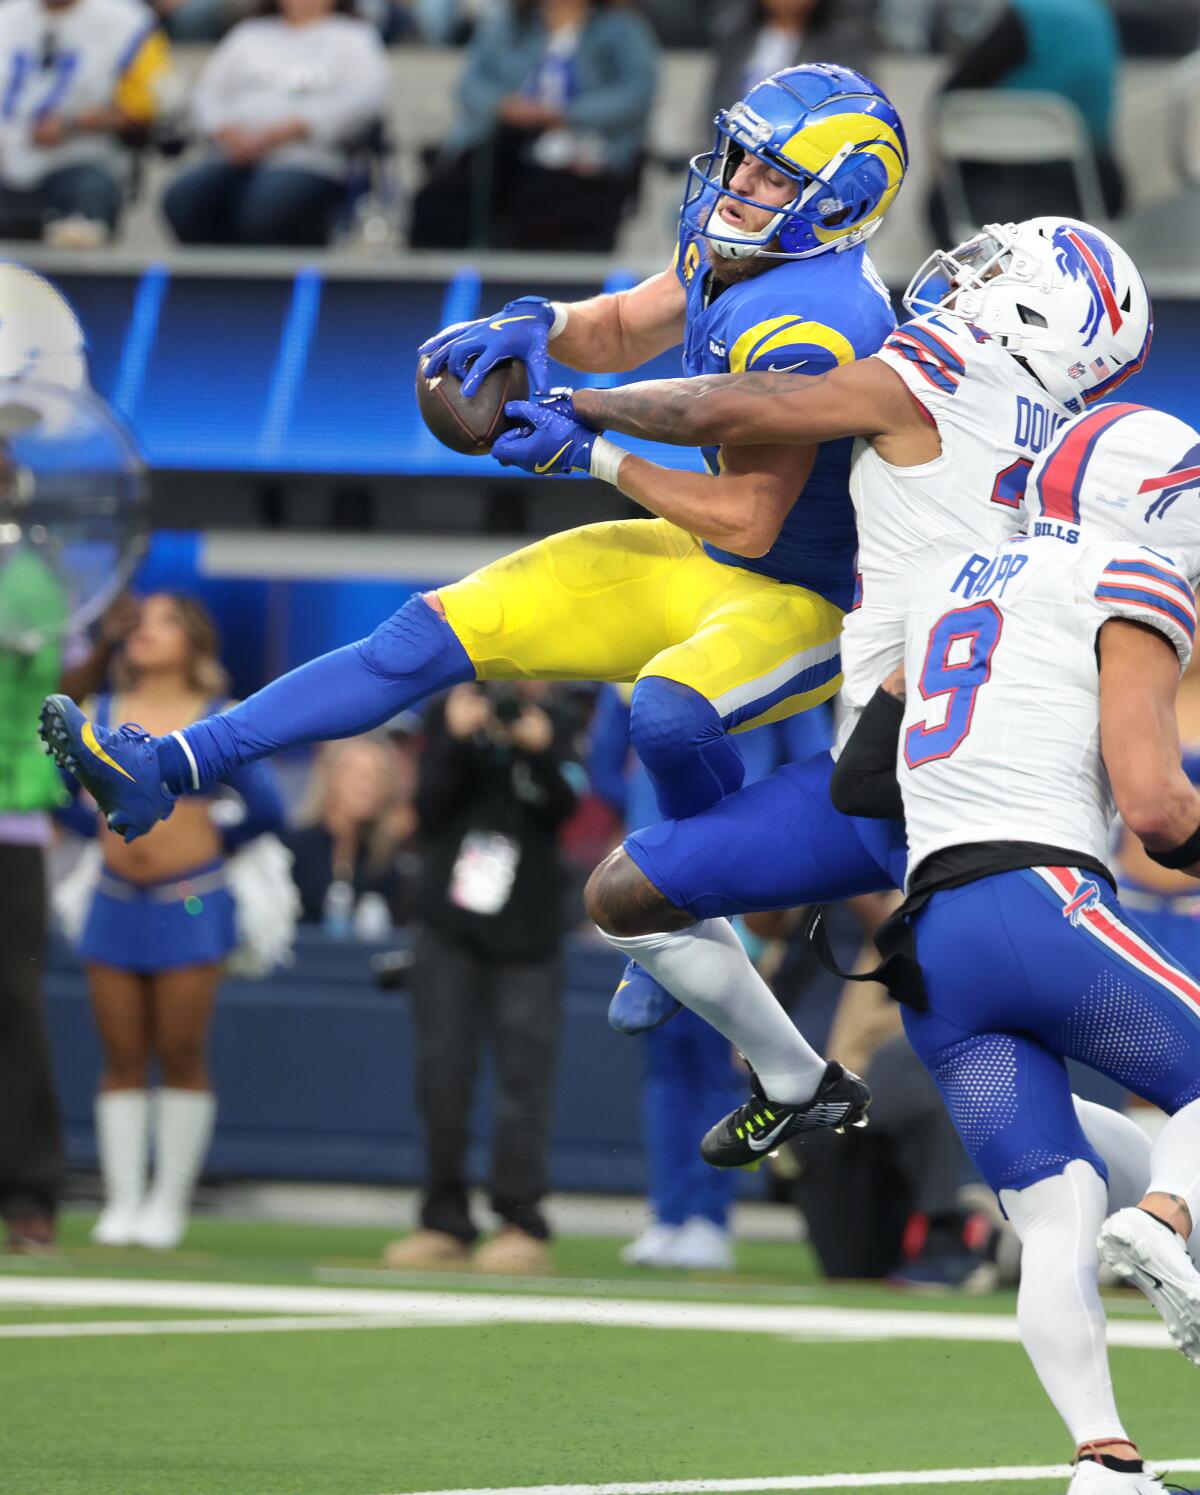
(1184,475)
(1086,899)
(1087,259)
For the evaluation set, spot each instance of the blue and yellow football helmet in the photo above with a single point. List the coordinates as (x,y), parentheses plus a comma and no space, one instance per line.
(833,132)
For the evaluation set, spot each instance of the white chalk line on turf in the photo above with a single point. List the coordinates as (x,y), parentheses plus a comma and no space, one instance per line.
(434,1308)
(893,1479)
(279,1324)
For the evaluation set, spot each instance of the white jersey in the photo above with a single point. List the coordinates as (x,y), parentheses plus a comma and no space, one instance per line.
(65,62)
(1001,732)
(993,419)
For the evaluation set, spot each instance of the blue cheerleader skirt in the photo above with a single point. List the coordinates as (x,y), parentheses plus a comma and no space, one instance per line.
(147,927)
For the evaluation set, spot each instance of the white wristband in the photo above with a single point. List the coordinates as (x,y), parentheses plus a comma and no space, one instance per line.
(560,320)
(607,457)
(190,756)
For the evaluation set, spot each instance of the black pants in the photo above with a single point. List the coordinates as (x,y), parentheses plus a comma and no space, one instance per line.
(218,203)
(460,996)
(30,1139)
(858,1191)
(87,190)
(493,196)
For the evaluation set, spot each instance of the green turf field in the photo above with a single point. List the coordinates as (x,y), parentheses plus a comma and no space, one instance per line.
(123,1385)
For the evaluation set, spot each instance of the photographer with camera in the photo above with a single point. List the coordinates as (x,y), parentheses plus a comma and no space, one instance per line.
(491,796)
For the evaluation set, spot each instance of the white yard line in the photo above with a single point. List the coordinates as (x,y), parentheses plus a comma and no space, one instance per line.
(493,1308)
(895,1479)
(155,1328)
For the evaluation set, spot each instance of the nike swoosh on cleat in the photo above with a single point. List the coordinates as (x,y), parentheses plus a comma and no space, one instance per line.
(542,467)
(770,1139)
(88,733)
(504,321)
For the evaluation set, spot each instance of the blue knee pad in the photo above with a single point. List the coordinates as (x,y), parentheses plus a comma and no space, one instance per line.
(682,742)
(352,690)
(416,650)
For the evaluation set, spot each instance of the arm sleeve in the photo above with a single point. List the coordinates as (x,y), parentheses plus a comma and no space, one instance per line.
(628,93)
(210,106)
(1142,586)
(1000,49)
(608,749)
(140,83)
(864,778)
(359,92)
(257,785)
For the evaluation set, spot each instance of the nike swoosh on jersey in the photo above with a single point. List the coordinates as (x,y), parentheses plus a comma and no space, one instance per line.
(546,466)
(504,321)
(774,368)
(88,733)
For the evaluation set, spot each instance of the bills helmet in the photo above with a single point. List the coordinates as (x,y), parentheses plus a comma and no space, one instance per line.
(1060,295)
(1124,472)
(830,131)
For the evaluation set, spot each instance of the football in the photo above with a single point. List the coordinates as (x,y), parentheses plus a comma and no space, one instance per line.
(472,425)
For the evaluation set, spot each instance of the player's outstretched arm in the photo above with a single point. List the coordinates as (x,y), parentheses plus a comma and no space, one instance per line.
(1139,740)
(605,334)
(857,399)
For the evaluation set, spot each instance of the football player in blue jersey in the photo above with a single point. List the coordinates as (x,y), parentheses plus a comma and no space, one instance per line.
(726,609)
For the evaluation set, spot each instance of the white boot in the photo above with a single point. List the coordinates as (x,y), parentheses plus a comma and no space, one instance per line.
(1094,1479)
(652,1248)
(121,1117)
(1150,1255)
(701,1246)
(183,1131)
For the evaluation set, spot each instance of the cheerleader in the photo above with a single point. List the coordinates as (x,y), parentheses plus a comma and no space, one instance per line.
(162,922)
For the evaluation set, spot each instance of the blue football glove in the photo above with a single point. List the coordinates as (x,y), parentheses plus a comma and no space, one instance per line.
(548,439)
(471,350)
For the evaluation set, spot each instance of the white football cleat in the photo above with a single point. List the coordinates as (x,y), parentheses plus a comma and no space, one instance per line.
(160,1225)
(1091,1478)
(116,1226)
(701,1246)
(651,1248)
(1145,1252)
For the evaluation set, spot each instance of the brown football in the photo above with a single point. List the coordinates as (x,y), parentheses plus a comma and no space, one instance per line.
(472,425)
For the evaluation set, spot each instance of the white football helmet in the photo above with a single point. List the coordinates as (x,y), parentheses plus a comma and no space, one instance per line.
(1124,472)
(1056,293)
(40,336)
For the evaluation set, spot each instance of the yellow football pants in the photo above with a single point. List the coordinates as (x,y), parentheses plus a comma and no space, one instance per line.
(637,597)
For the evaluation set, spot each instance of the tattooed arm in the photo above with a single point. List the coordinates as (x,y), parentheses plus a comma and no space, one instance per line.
(858,399)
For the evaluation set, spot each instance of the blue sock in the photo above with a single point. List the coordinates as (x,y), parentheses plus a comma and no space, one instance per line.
(684,747)
(411,656)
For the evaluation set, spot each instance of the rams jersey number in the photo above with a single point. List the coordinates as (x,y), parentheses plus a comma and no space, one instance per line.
(802,316)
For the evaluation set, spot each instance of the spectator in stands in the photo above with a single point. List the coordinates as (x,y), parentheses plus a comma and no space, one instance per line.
(553,105)
(1068,47)
(491,797)
(158,929)
(85,80)
(279,104)
(351,826)
(754,38)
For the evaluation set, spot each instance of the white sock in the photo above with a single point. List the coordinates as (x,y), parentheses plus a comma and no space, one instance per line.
(121,1117)
(706,968)
(183,1131)
(1125,1149)
(1059,1311)
(1175,1160)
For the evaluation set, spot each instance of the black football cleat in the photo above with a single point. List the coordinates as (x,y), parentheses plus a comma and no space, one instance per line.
(762,1125)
